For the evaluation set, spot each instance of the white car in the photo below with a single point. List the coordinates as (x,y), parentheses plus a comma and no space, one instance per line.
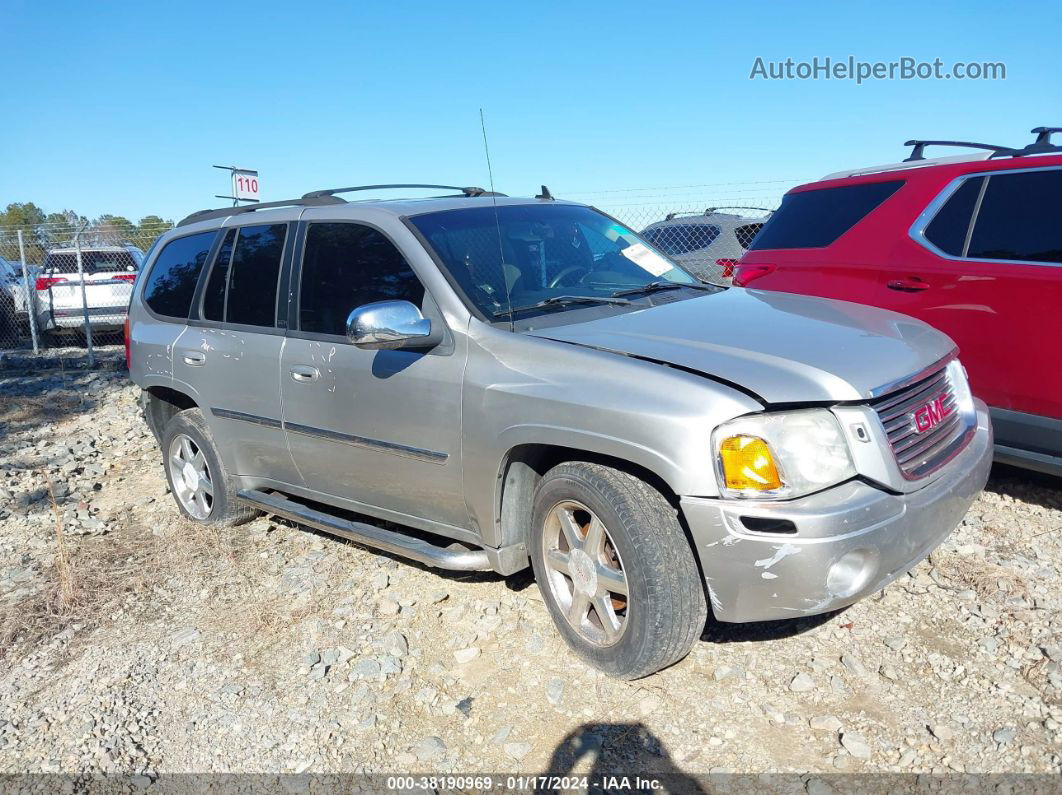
(109,275)
(708,244)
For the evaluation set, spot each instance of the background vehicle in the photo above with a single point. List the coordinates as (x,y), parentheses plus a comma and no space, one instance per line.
(12,301)
(970,244)
(109,275)
(525,382)
(709,244)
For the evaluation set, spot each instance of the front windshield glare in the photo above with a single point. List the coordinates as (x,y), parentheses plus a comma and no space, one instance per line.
(523,255)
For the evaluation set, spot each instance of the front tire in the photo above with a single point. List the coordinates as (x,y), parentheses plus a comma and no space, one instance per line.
(201,487)
(615,569)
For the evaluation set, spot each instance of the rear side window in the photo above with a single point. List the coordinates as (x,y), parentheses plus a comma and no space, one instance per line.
(1019,218)
(745,234)
(346,266)
(253,275)
(816,218)
(214,295)
(949,227)
(682,238)
(174,276)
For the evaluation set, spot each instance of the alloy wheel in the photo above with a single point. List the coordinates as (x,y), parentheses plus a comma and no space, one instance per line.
(585,573)
(190,476)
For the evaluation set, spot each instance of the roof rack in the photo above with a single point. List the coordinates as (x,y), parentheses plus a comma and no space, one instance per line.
(319,198)
(918,153)
(468,191)
(1041,145)
(710,210)
(1042,142)
(224,212)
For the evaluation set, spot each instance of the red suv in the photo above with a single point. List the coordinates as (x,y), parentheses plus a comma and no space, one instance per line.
(970,244)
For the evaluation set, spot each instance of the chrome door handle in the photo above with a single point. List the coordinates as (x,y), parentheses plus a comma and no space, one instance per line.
(303,372)
(194,358)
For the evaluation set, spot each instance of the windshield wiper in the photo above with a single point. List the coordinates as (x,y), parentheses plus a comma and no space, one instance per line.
(653,287)
(561,300)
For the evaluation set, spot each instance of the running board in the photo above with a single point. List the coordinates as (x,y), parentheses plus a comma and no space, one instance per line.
(368,535)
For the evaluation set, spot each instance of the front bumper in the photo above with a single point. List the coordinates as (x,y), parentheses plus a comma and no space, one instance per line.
(851,540)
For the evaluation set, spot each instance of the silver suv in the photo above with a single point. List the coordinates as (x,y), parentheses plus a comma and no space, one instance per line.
(479,382)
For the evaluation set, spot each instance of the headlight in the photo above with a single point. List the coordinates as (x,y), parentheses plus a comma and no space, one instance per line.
(778,455)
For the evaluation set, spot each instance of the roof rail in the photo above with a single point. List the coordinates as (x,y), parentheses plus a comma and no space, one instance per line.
(710,210)
(224,212)
(918,153)
(468,191)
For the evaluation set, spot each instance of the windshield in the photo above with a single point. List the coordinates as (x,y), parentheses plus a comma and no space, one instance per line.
(537,258)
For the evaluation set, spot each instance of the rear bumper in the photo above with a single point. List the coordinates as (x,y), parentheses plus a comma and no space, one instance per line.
(851,540)
(74,317)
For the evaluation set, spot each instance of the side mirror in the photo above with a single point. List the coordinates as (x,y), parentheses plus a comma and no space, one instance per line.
(389,325)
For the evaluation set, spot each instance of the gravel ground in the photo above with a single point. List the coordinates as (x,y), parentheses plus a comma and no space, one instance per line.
(135,642)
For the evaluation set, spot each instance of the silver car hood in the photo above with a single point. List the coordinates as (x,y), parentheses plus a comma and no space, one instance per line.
(784,348)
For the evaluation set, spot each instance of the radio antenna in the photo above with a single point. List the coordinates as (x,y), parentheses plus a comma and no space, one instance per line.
(497,222)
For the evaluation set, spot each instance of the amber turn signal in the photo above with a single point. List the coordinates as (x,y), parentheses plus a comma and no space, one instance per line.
(748,464)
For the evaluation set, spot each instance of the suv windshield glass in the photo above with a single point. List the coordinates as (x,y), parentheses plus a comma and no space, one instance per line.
(524,255)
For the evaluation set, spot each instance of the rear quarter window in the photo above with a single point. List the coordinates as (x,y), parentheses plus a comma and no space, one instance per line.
(175,274)
(949,227)
(816,218)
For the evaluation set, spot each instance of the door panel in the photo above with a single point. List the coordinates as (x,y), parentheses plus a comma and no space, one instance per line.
(382,428)
(233,355)
(998,315)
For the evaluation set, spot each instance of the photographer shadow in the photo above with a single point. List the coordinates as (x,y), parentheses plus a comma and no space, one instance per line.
(627,757)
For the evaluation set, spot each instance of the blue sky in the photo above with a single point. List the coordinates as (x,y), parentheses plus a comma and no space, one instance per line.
(123,108)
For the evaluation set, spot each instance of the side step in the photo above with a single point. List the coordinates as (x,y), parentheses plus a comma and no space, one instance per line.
(369,535)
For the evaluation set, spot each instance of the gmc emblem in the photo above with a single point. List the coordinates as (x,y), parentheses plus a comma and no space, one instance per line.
(931,414)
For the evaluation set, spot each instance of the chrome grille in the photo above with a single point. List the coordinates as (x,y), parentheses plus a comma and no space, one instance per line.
(920,452)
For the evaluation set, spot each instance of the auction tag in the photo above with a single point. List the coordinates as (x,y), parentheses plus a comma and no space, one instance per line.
(647,259)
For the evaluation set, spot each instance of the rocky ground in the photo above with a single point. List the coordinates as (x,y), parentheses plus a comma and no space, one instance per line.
(134,641)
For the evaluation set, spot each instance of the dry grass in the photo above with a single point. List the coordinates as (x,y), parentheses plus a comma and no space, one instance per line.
(984,577)
(88,581)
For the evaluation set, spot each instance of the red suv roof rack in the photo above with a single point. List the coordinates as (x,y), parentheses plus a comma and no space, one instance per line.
(1041,145)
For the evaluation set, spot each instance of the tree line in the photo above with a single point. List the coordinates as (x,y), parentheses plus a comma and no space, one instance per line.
(42,231)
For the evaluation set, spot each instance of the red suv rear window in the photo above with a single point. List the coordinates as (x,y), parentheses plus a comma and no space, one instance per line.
(816,218)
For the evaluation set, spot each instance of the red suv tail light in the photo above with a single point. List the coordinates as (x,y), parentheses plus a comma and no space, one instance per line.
(125,334)
(727,264)
(751,272)
(46,282)
(126,277)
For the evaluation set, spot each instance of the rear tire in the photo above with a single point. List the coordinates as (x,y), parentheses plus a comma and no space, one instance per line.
(615,569)
(201,486)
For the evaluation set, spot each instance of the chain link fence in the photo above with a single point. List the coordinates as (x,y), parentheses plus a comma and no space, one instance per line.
(706,239)
(68,284)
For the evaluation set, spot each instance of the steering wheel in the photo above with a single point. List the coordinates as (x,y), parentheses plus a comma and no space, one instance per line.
(556,280)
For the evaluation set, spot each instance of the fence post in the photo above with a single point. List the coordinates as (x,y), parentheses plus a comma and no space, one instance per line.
(84,296)
(31,295)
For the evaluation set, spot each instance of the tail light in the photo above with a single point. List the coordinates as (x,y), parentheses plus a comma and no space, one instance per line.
(125,334)
(751,272)
(727,264)
(126,277)
(46,282)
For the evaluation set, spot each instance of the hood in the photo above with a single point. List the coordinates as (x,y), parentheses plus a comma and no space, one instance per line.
(785,348)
